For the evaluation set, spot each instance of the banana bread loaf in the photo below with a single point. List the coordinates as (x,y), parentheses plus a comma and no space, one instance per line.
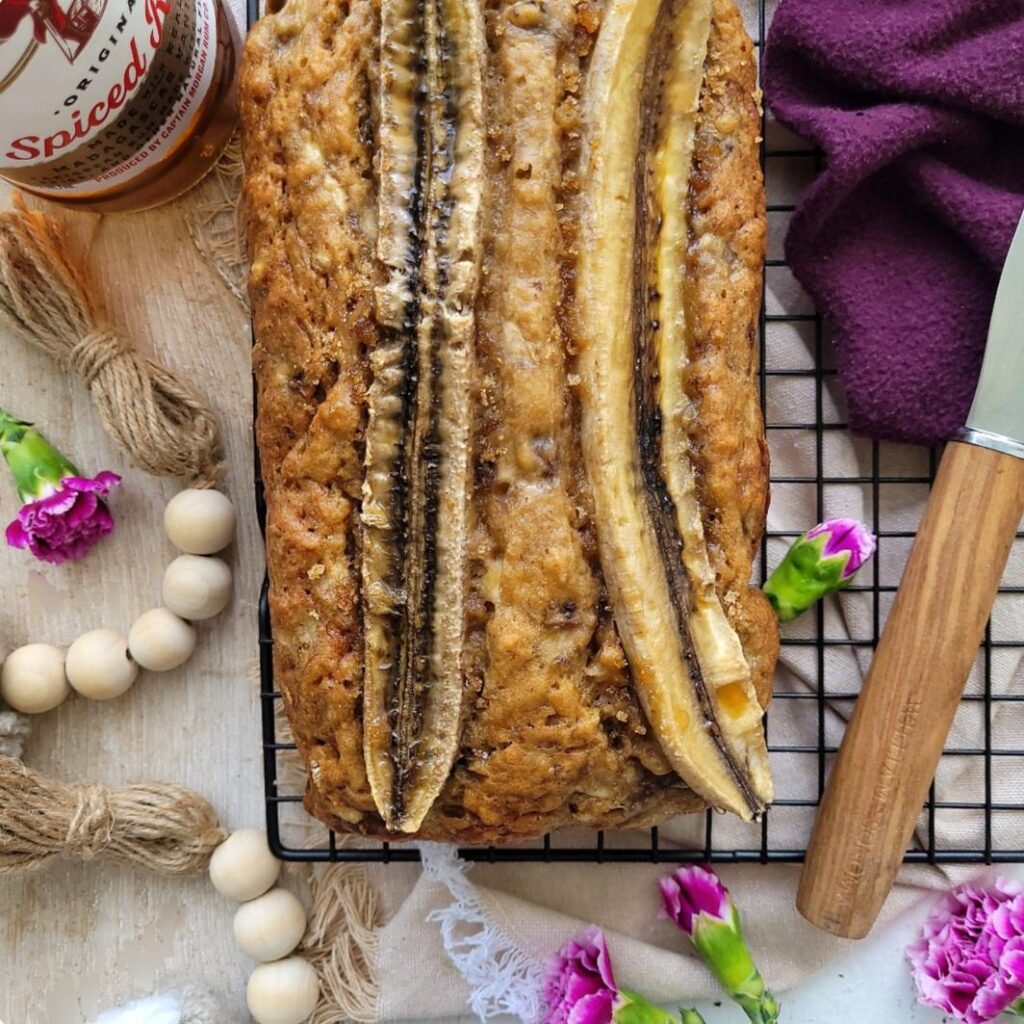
(506,273)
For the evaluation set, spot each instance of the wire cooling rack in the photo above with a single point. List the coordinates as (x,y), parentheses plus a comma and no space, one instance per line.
(975,810)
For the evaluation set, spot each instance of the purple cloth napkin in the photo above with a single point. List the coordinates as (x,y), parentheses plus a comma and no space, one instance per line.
(919,108)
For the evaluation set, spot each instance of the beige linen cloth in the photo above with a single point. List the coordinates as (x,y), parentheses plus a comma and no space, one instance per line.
(502,922)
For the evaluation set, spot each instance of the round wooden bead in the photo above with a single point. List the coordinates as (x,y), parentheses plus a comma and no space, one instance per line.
(197,587)
(284,992)
(160,641)
(98,665)
(243,867)
(32,679)
(270,926)
(201,522)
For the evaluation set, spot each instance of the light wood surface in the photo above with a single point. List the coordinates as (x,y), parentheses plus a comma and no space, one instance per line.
(896,735)
(78,938)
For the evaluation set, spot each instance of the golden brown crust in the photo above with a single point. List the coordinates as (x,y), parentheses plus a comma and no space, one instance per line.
(304,84)
(726,257)
(553,734)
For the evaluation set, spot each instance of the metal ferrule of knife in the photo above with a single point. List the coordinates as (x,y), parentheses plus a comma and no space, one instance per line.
(988,439)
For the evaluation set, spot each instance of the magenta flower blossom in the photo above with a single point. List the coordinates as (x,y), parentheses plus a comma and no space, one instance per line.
(692,891)
(697,902)
(580,989)
(63,513)
(845,537)
(68,522)
(580,986)
(821,561)
(969,961)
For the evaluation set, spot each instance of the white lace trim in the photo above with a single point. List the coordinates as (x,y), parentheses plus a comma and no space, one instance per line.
(503,979)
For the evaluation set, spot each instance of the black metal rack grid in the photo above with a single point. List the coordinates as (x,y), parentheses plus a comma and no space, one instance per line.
(996,821)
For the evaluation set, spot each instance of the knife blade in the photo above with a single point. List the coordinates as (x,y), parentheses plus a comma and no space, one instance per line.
(899,725)
(996,419)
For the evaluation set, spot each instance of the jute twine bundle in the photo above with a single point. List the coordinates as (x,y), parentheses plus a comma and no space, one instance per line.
(166,828)
(149,411)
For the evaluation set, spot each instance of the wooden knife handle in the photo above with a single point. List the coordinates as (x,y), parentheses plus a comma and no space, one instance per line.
(894,740)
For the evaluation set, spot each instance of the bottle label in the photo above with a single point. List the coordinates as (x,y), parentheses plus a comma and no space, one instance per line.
(93,92)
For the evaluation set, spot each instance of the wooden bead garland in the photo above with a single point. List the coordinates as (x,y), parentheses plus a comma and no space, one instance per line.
(268,926)
(102,664)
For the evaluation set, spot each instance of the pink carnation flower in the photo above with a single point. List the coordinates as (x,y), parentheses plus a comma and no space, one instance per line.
(969,961)
(580,987)
(693,891)
(699,905)
(67,523)
(848,537)
(62,514)
(821,561)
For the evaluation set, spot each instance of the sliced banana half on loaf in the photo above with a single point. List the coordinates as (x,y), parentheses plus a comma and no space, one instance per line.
(687,662)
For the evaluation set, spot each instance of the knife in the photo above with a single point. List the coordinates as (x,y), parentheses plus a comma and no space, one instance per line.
(899,725)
